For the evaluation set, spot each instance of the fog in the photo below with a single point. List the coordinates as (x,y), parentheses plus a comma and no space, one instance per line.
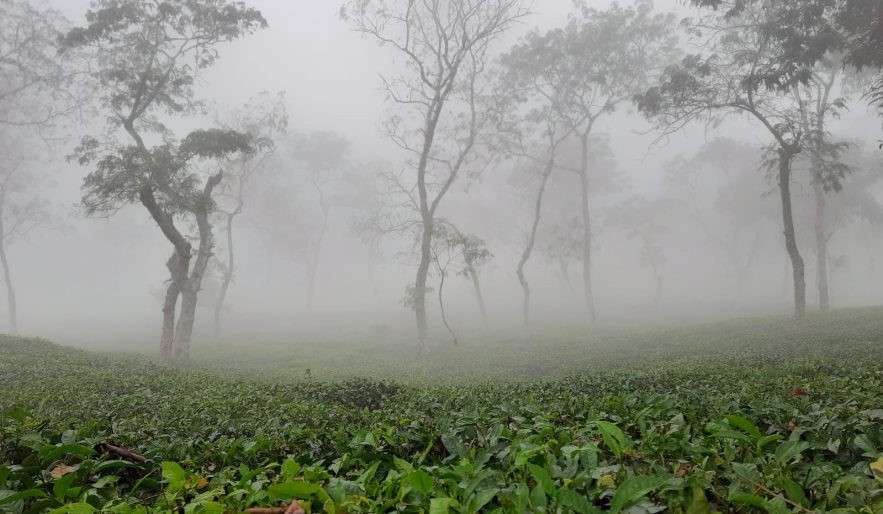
(675,215)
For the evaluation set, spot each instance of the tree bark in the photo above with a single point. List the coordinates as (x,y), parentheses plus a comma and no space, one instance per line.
(178,265)
(821,248)
(420,284)
(441,305)
(786,156)
(476,285)
(10,291)
(7,274)
(531,241)
(587,231)
(317,250)
(190,292)
(227,274)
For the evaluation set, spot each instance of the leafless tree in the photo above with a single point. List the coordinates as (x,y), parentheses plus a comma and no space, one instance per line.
(22,207)
(530,128)
(38,86)
(586,70)
(265,119)
(446,47)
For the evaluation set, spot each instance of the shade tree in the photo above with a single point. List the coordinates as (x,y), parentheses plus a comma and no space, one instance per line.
(741,71)
(147,58)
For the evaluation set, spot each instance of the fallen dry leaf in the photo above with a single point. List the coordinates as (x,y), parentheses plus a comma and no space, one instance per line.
(62,470)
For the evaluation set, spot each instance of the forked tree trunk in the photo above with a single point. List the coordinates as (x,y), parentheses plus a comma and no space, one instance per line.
(531,241)
(178,265)
(821,248)
(786,156)
(190,292)
(7,277)
(587,232)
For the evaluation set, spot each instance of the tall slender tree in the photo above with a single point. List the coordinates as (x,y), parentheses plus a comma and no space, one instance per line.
(446,47)
(531,127)
(264,119)
(23,205)
(595,64)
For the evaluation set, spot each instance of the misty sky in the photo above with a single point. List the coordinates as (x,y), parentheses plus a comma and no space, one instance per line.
(331,77)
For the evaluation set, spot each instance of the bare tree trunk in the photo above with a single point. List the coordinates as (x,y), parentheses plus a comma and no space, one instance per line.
(532,239)
(821,248)
(184,327)
(441,305)
(476,285)
(228,272)
(190,292)
(317,251)
(178,265)
(420,285)
(565,275)
(10,290)
(797,266)
(587,232)
(7,276)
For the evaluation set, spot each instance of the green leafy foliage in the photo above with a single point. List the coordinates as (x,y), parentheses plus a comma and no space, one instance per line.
(784,424)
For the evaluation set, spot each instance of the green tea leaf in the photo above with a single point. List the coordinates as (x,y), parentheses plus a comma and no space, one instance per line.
(635,488)
(421,481)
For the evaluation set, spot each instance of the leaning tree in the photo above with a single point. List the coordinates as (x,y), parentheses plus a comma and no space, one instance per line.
(148,57)
(446,46)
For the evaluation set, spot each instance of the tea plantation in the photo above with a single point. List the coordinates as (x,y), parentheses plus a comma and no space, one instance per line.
(762,415)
